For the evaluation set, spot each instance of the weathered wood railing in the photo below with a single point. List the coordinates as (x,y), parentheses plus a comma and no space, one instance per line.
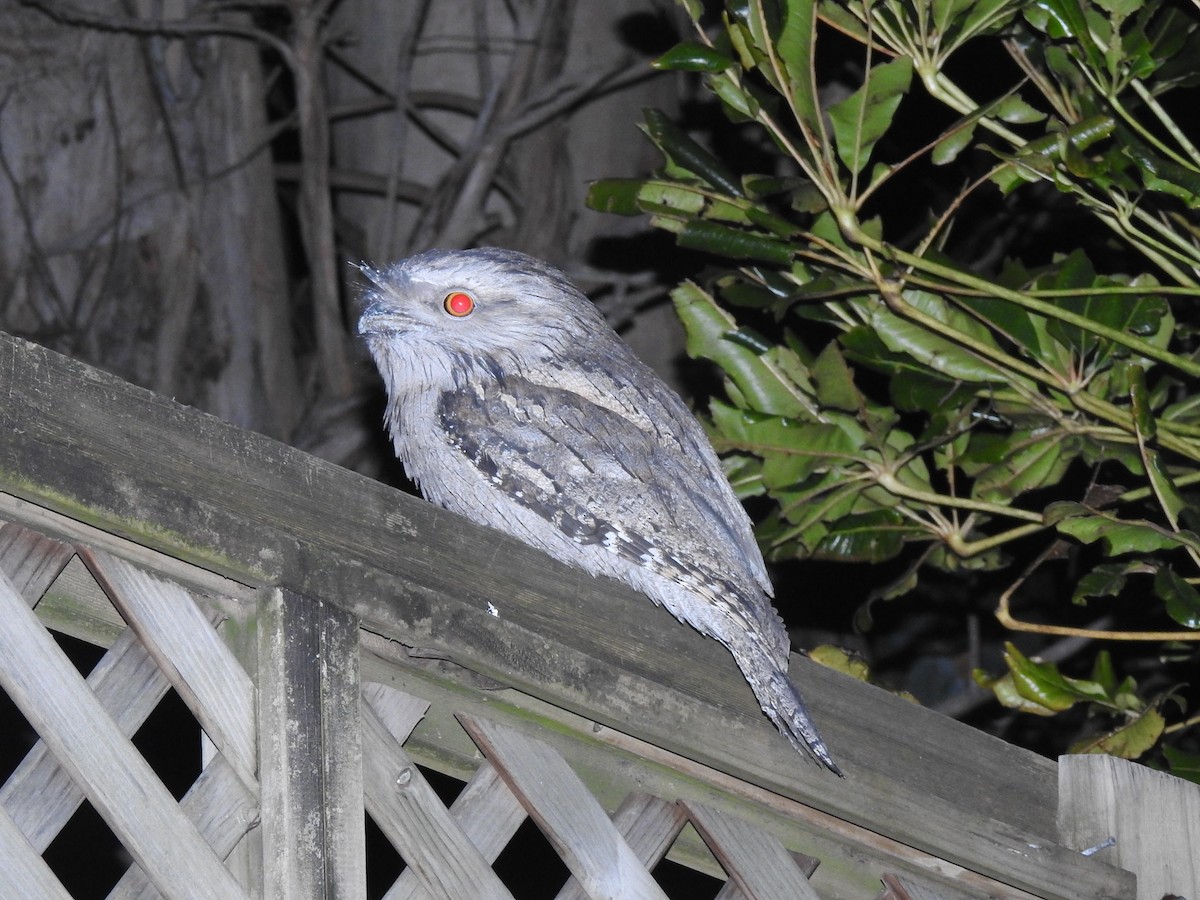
(329,633)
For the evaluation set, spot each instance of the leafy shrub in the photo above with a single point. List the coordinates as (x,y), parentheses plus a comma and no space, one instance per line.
(937,389)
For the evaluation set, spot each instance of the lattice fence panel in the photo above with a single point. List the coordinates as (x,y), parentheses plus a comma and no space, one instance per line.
(85,727)
(172,642)
(607,857)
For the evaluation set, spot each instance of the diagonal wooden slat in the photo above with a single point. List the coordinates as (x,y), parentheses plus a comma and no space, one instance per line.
(39,795)
(23,872)
(649,824)
(32,561)
(52,696)
(399,711)
(566,812)
(409,813)
(489,816)
(197,663)
(221,809)
(755,859)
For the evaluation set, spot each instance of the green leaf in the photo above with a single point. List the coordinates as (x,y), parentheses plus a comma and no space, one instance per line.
(750,339)
(946,11)
(1106,580)
(924,392)
(744,473)
(740,103)
(1181,599)
(1144,423)
(864,117)
(872,537)
(1146,427)
(693,57)
(758,377)
(1006,465)
(1015,110)
(724,240)
(1162,175)
(791,449)
(1120,8)
(615,195)
(1118,535)
(671,198)
(912,386)
(839,660)
(1067,20)
(1169,497)
(1183,765)
(1043,684)
(1140,315)
(819,449)
(939,354)
(1104,674)
(835,381)
(1072,272)
(990,13)
(677,146)
(1006,692)
(844,21)
(1012,321)
(824,498)
(1130,740)
(794,46)
(955,142)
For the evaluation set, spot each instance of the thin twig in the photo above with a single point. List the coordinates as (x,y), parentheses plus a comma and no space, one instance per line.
(171,28)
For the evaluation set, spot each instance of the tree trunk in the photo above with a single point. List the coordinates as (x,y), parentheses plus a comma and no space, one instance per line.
(145,235)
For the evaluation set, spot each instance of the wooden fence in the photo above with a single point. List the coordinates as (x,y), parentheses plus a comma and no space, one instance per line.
(338,642)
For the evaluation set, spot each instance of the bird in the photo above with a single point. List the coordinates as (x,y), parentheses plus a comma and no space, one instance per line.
(512,402)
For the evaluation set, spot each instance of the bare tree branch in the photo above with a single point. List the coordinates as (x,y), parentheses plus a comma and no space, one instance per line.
(182,29)
(316,206)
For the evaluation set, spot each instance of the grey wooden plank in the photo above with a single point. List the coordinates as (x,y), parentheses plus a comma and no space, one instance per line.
(120,784)
(32,561)
(488,814)
(197,663)
(649,825)
(755,859)
(250,508)
(23,872)
(1154,817)
(342,752)
(613,765)
(40,795)
(409,813)
(485,810)
(566,812)
(222,810)
(75,606)
(310,749)
(400,712)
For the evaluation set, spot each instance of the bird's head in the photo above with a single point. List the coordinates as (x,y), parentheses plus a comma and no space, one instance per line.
(443,314)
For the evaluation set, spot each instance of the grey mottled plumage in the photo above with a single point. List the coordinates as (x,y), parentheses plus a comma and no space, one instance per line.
(520,408)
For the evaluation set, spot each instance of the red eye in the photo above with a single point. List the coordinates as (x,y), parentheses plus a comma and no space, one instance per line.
(459,304)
